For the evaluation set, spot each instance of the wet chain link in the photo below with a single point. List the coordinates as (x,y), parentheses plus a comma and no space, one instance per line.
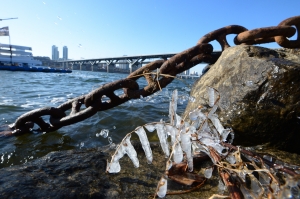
(166,70)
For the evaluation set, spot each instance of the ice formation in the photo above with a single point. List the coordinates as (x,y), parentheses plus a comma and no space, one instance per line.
(203,133)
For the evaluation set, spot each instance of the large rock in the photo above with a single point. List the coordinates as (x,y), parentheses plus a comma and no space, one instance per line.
(81,174)
(260,95)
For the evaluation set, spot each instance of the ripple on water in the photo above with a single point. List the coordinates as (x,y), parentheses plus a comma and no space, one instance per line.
(35,90)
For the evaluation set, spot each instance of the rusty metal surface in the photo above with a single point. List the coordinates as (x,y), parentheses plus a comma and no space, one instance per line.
(158,74)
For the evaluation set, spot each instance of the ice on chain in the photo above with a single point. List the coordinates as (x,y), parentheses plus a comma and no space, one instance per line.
(162,187)
(162,135)
(131,151)
(145,143)
(211,96)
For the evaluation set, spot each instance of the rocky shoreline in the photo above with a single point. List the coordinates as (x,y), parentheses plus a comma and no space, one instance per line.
(260,94)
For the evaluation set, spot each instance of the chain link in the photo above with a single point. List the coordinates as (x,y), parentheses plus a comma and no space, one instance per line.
(202,52)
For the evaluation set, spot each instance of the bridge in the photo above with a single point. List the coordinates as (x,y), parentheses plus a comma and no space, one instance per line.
(123,62)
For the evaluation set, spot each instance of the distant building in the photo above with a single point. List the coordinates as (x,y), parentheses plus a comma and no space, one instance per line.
(187,72)
(55,53)
(65,53)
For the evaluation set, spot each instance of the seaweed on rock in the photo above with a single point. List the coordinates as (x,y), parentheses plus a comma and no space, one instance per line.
(244,173)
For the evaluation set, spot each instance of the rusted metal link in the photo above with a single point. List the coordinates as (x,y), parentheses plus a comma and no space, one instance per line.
(167,68)
(283,41)
(170,67)
(220,35)
(185,56)
(108,88)
(37,113)
(263,35)
(93,102)
(149,67)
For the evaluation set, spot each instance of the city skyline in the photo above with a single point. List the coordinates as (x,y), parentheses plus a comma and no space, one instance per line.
(93,29)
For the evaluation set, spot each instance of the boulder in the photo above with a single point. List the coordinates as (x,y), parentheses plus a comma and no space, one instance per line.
(260,95)
(81,174)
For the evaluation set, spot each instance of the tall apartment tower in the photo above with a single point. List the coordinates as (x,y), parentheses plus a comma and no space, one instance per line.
(65,53)
(55,53)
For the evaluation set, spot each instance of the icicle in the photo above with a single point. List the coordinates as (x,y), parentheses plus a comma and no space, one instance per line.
(220,149)
(114,165)
(145,143)
(177,153)
(225,134)
(207,141)
(186,145)
(193,115)
(173,108)
(231,137)
(208,172)
(211,96)
(162,138)
(178,121)
(212,111)
(150,127)
(162,187)
(216,122)
(131,151)
(205,127)
(172,131)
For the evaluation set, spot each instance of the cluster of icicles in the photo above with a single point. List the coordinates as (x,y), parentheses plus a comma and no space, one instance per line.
(204,131)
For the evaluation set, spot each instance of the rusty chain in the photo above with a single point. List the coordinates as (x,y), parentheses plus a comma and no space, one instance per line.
(180,62)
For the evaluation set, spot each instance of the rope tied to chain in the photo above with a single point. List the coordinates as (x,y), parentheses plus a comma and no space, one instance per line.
(167,70)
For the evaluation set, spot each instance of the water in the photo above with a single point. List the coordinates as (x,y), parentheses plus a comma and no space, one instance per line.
(24,91)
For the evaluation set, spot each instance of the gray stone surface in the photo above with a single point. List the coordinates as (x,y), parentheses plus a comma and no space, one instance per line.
(260,95)
(81,174)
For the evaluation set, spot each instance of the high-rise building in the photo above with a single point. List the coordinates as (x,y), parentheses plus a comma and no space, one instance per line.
(65,53)
(55,53)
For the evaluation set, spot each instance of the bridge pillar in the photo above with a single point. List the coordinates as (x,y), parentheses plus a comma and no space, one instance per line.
(130,67)
(134,62)
(72,65)
(108,63)
(92,65)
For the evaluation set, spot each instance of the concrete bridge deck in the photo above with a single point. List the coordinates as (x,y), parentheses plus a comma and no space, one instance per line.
(131,61)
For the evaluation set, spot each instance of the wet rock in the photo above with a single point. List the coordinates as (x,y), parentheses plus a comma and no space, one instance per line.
(81,174)
(260,94)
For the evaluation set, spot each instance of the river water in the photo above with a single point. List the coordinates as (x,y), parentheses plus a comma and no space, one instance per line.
(24,91)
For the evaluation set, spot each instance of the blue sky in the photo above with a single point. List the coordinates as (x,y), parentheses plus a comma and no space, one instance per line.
(100,28)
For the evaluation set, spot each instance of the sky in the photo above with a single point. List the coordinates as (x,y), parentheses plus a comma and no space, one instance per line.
(108,28)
